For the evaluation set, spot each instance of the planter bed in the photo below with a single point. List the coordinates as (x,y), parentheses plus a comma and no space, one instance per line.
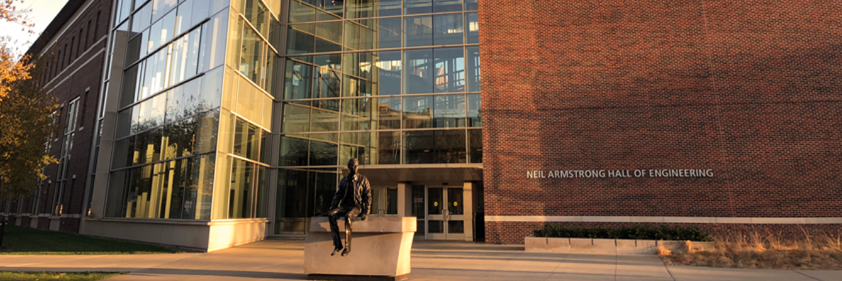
(607,246)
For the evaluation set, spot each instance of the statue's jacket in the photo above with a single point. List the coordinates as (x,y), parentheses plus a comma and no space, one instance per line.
(362,193)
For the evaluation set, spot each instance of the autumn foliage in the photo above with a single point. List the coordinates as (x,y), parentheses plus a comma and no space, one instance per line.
(25,118)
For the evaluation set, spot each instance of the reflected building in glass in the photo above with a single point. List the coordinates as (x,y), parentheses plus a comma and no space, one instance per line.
(232,120)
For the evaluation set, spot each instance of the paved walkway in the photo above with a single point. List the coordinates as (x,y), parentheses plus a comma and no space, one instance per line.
(284,259)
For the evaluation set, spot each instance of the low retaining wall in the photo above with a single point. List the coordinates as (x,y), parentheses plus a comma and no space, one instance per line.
(607,246)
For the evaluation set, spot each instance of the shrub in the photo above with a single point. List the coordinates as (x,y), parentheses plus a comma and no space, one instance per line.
(663,232)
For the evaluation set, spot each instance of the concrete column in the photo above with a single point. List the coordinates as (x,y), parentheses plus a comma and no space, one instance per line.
(404,200)
(467,198)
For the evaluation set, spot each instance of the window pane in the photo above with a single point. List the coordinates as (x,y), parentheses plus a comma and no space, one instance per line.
(418,31)
(447,6)
(426,147)
(356,9)
(123,152)
(324,121)
(389,33)
(392,201)
(257,15)
(179,138)
(162,6)
(298,80)
(418,72)
(250,58)
(325,189)
(388,73)
(473,28)
(142,18)
(178,176)
(124,123)
(387,148)
(300,13)
(471,5)
(207,130)
(474,110)
(327,83)
(455,227)
(418,112)
(240,192)
(296,119)
(474,84)
(417,6)
(449,111)
(418,203)
(246,139)
(185,56)
(357,114)
(299,41)
(475,145)
(450,70)
(387,8)
(322,153)
(388,113)
(147,147)
(127,93)
(213,42)
(293,151)
(292,201)
(447,29)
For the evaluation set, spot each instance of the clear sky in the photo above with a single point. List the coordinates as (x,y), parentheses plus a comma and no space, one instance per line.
(43,11)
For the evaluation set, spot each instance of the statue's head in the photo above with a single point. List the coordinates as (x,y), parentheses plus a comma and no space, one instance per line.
(353,165)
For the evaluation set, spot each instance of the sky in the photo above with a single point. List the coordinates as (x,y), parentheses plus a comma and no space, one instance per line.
(43,11)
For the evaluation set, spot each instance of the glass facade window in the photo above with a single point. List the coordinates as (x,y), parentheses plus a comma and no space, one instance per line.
(389,82)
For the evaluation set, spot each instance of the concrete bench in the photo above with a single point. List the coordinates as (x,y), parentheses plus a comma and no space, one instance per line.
(380,247)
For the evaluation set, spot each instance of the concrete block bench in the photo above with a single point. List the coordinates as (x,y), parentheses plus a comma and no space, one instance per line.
(380,250)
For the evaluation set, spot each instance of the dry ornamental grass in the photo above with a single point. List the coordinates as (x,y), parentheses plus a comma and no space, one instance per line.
(762,251)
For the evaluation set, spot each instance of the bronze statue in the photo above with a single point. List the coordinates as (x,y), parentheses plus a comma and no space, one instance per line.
(355,194)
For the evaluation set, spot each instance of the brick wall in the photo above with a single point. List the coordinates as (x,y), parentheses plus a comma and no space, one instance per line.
(750,89)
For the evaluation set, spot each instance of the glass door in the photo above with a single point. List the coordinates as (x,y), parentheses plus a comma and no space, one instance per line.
(445,214)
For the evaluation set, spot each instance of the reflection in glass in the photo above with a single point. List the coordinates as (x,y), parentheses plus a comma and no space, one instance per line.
(449,111)
(240,192)
(324,121)
(357,114)
(389,33)
(473,28)
(447,29)
(298,80)
(293,151)
(450,70)
(251,55)
(427,147)
(474,110)
(418,31)
(247,139)
(388,113)
(418,71)
(389,73)
(435,201)
(471,5)
(417,7)
(440,6)
(322,153)
(296,119)
(326,84)
(418,112)
(474,84)
(475,145)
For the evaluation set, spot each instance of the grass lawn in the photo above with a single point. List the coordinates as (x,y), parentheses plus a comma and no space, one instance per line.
(74,276)
(28,241)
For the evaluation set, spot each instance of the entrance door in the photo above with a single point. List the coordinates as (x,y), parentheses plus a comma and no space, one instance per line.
(445,214)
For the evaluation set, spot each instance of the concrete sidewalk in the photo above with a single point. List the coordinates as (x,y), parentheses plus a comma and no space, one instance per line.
(284,259)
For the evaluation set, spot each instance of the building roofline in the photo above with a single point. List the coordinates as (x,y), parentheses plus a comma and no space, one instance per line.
(55,26)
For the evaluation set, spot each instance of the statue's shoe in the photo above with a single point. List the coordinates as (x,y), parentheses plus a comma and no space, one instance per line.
(337,250)
(346,252)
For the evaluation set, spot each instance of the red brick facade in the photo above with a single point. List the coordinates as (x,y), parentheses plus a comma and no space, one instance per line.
(750,89)
(72,52)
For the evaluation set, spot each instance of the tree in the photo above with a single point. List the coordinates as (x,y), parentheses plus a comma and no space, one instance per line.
(25,118)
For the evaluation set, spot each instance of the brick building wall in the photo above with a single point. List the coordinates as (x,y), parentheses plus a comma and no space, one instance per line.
(749,89)
(71,54)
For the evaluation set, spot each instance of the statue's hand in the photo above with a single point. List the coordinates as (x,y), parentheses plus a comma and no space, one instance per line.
(363,216)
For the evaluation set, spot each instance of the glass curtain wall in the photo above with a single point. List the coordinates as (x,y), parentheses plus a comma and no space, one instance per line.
(169,107)
(389,82)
